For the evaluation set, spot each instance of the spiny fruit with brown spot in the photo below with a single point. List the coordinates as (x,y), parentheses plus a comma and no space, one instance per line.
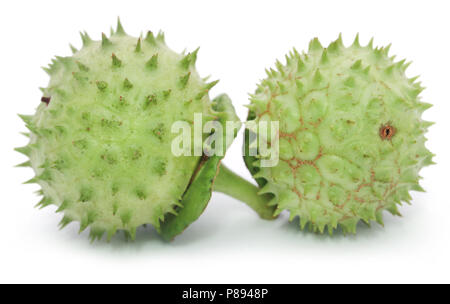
(100,141)
(352,140)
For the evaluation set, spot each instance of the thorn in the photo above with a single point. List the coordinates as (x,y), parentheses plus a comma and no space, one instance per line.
(24,150)
(208,87)
(127,85)
(45,176)
(390,69)
(357,65)
(423,106)
(387,49)
(184,80)
(86,39)
(190,59)
(82,67)
(120,30)
(427,124)
(96,234)
(350,82)
(315,45)
(200,95)
(138,46)
(282,87)
(24,165)
(324,58)
(116,62)
(152,64)
(150,38)
(300,86)
(340,41)
(102,85)
(280,67)
(288,59)
(65,61)
(110,234)
(65,204)
(401,63)
(26,118)
(87,220)
(161,37)
(406,65)
(417,188)
(366,70)
(79,77)
(301,67)
(83,225)
(47,70)
(73,49)
(31,181)
(211,85)
(125,217)
(356,42)
(105,41)
(167,93)
(370,45)
(64,222)
(318,77)
(413,79)
(132,233)
(151,99)
(45,202)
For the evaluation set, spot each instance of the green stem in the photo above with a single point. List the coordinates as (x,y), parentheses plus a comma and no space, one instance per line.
(235,186)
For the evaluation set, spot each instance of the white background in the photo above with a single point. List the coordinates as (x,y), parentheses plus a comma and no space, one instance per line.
(229,244)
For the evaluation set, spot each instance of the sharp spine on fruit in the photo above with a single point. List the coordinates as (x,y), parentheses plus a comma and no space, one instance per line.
(82,67)
(127,85)
(356,42)
(161,37)
(106,43)
(102,85)
(120,30)
(73,49)
(116,62)
(190,59)
(184,80)
(315,45)
(138,46)
(150,38)
(152,64)
(85,39)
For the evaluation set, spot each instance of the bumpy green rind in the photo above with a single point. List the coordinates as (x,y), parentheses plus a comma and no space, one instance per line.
(100,143)
(338,165)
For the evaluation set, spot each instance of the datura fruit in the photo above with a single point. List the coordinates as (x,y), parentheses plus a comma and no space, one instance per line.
(351,138)
(101,140)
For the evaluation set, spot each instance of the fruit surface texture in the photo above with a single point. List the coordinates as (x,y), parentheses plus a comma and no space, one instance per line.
(351,140)
(100,141)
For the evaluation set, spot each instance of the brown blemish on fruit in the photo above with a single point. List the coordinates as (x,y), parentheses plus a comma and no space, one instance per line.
(46,100)
(298,193)
(387,132)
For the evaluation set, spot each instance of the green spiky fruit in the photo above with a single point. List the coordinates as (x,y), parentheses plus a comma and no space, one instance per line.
(100,141)
(352,141)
